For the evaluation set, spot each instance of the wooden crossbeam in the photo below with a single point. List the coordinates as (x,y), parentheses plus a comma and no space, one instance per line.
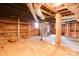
(47,13)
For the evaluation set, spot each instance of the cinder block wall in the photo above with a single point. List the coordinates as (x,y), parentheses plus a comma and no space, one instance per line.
(9,29)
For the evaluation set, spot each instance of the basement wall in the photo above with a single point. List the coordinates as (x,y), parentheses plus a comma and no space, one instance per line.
(52,28)
(71,29)
(9,29)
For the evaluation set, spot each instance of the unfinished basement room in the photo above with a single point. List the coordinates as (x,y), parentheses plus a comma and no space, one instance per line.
(39,29)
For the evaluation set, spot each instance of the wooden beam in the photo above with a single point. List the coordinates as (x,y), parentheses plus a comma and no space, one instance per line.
(46,5)
(66,18)
(57,9)
(13,22)
(65,11)
(47,13)
(67,14)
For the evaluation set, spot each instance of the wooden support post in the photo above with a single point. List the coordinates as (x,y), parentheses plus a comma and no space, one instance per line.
(75,28)
(58,30)
(67,29)
(18,29)
(41,28)
(29,29)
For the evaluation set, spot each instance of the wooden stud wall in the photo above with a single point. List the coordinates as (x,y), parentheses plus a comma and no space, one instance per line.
(72,30)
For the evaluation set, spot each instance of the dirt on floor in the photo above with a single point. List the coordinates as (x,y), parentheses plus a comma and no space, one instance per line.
(33,48)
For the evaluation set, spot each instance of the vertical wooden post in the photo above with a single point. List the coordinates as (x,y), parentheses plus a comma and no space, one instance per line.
(41,28)
(29,29)
(67,29)
(58,29)
(75,27)
(18,29)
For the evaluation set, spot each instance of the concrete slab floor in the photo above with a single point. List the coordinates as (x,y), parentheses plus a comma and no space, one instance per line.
(65,41)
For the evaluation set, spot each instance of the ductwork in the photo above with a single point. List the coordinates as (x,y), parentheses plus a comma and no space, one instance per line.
(30,6)
(36,10)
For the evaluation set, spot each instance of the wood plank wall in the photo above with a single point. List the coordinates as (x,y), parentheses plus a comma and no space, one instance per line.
(71,29)
(52,28)
(9,30)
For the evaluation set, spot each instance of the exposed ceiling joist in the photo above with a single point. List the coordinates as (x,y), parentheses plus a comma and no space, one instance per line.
(46,5)
(67,14)
(47,13)
(69,17)
(61,9)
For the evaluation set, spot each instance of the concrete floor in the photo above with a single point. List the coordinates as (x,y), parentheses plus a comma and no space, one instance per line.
(66,41)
